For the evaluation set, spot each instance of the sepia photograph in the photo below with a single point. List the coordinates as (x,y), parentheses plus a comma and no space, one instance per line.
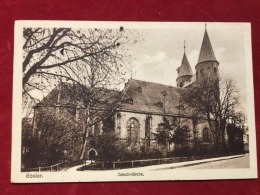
(132,101)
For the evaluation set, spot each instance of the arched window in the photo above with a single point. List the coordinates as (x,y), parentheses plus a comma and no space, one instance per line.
(97,126)
(215,70)
(132,136)
(118,121)
(180,84)
(195,135)
(92,154)
(139,89)
(206,137)
(186,132)
(159,104)
(130,101)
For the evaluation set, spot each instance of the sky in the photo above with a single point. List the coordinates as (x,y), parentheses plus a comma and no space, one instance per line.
(160,53)
(157,56)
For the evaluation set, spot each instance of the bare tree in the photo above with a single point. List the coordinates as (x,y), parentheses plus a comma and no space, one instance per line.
(215,99)
(92,62)
(59,54)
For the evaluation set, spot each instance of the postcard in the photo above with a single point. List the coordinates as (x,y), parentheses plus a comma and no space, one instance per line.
(132,101)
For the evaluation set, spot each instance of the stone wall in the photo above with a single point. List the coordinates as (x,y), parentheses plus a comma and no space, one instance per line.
(123,117)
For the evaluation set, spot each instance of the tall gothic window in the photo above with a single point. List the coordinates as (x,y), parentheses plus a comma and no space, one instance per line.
(132,131)
(185,135)
(195,135)
(118,118)
(97,126)
(206,137)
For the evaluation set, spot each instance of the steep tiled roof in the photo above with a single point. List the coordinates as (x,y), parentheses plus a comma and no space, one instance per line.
(185,68)
(76,95)
(206,51)
(148,97)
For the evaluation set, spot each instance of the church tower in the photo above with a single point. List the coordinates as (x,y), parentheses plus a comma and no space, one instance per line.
(207,63)
(184,71)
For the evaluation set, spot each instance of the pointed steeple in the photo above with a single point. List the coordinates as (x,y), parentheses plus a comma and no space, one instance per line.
(185,68)
(206,51)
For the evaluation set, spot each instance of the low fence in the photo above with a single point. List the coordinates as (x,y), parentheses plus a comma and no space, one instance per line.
(120,164)
(147,162)
(57,167)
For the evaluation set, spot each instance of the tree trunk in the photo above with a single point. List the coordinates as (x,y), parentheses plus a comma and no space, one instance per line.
(223,141)
(212,129)
(86,132)
(217,126)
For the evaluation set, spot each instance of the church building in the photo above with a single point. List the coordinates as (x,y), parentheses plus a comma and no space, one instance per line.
(147,102)
(144,104)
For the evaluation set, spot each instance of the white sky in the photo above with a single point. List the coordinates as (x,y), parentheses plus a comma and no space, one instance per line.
(157,57)
(160,53)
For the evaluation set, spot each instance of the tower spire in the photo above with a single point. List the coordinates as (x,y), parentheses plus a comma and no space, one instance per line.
(206,51)
(185,68)
(207,62)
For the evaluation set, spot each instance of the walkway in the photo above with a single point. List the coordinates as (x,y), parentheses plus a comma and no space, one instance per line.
(161,166)
(73,169)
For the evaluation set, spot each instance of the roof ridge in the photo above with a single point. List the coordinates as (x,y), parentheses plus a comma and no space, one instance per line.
(154,83)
